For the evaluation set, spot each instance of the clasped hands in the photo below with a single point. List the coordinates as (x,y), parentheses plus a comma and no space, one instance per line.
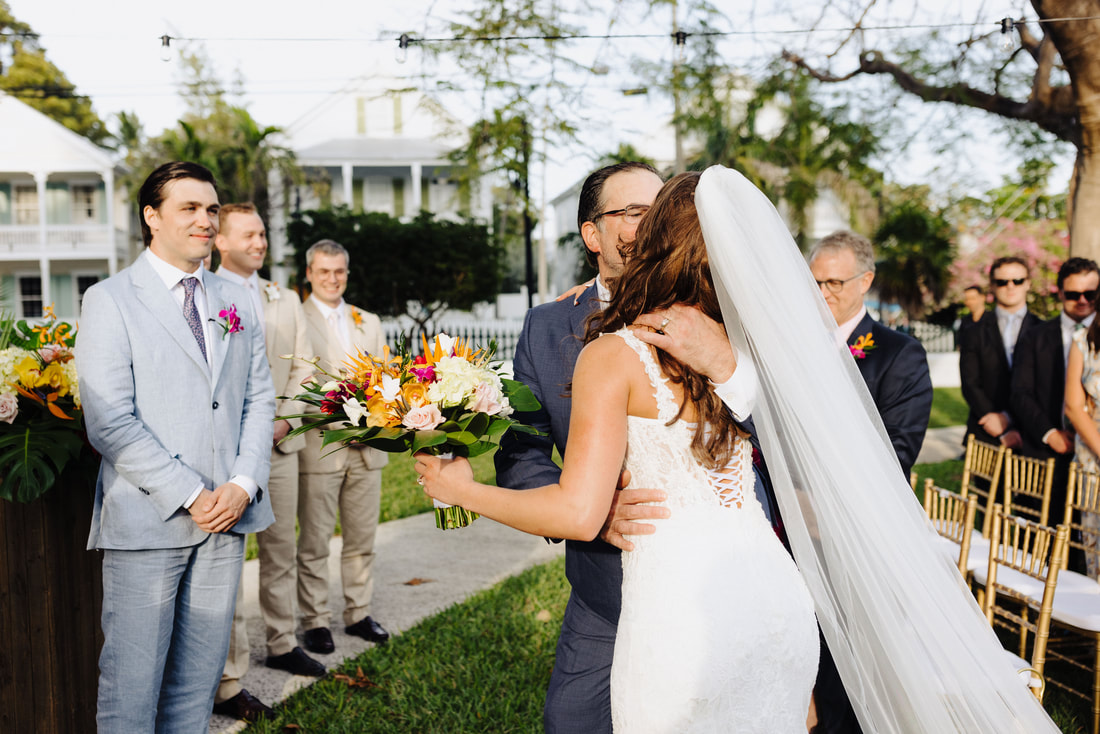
(219,510)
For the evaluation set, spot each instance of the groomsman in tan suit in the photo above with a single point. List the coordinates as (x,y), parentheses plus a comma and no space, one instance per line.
(242,244)
(348,479)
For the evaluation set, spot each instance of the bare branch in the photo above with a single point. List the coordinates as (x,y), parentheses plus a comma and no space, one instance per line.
(1053,120)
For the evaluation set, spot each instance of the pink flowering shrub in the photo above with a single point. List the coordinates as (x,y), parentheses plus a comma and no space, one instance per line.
(1043,244)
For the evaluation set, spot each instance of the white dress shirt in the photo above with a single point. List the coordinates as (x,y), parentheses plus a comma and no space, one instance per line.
(1068,327)
(173,280)
(1009,322)
(337,319)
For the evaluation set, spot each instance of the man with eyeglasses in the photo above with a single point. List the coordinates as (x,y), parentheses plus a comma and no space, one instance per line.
(1039,372)
(895,368)
(894,365)
(987,354)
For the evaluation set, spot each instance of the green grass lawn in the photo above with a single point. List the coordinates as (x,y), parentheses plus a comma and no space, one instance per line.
(484,665)
(479,666)
(948,407)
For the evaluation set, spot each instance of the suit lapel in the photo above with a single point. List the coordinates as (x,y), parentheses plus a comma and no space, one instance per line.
(216,300)
(863,328)
(588,304)
(319,333)
(150,290)
(271,320)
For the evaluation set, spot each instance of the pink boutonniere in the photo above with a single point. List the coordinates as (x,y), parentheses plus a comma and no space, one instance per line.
(863,345)
(230,321)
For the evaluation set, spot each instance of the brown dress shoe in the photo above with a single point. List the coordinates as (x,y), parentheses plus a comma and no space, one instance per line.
(369,630)
(243,706)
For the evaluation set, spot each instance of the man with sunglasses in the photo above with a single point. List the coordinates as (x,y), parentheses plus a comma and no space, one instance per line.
(1039,371)
(987,354)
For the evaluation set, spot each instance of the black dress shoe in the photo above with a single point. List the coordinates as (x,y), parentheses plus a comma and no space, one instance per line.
(369,630)
(296,662)
(319,640)
(243,706)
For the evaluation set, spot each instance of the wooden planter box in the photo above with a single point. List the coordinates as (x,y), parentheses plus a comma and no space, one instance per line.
(51,594)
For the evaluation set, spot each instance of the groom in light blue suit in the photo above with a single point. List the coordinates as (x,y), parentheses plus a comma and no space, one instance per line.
(179,402)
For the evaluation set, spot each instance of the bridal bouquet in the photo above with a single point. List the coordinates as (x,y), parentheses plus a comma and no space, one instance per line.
(41,423)
(450,400)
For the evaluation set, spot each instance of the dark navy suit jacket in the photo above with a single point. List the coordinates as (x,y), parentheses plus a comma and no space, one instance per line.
(551,340)
(1039,386)
(896,373)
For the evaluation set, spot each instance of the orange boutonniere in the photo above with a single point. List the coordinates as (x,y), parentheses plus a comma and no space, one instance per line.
(356,317)
(863,345)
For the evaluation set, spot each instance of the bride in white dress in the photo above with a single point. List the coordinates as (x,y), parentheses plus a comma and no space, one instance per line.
(744,648)
(913,649)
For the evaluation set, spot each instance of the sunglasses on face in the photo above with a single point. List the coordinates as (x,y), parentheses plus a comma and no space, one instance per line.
(1077,295)
(1001,283)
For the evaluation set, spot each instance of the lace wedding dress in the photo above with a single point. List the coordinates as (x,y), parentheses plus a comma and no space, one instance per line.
(717,632)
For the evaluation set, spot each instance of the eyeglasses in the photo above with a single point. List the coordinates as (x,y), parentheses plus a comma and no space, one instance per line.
(1001,283)
(835,285)
(631,214)
(1077,295)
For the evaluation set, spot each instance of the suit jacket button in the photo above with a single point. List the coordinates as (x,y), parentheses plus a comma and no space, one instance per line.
(143,490)
(215,405)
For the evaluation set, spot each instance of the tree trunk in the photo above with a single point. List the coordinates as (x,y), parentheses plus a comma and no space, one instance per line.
(1076,42)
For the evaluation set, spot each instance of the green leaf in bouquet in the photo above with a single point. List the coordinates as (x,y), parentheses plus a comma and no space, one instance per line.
(31,458)
(524,428)
(479,447)
(520,396)
(463,438)
(426,439)
(343,435)
(450,426)
(497,427)
(476,423)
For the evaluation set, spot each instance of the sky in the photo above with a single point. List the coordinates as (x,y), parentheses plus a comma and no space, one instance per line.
(292,56)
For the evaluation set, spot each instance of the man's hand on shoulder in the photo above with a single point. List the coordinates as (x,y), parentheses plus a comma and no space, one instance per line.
(219,511)
(691,337)
(627,507)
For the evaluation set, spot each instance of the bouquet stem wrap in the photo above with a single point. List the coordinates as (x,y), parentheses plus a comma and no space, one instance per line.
(451,517)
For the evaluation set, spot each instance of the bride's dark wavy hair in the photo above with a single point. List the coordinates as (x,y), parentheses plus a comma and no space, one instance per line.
(668,264)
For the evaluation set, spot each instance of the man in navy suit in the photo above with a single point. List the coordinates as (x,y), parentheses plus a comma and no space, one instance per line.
(895,368)
(894,365)
(986,354)
(612,202)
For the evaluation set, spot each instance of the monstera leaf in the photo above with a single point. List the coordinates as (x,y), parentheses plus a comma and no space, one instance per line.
(32,456)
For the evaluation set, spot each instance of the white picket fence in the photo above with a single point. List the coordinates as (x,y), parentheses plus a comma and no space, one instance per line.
(480,332)
(936,339)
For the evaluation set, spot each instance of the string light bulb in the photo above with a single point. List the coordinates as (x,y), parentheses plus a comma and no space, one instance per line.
(403,48)
(1008,37)
(681,43)
(166,48)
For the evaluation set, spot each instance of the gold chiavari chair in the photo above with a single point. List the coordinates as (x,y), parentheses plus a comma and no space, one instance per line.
(982,475)
(913,480)
(1026,483)
(1082,499)
(1025,559)
(952,515)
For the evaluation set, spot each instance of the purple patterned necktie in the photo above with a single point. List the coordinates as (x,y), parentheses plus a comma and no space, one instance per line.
(192,314)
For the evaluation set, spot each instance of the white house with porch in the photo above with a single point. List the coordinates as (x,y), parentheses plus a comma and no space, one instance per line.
(64,220)
(377,147)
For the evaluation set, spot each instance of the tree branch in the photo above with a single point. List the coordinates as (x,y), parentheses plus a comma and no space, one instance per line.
(1051,119)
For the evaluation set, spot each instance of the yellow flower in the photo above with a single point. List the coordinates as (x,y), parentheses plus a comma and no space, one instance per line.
(380,413)
(864,342)
(29,371)
(415,393)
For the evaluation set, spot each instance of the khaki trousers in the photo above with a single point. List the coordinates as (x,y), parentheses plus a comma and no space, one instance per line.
(356,492)
(278,578)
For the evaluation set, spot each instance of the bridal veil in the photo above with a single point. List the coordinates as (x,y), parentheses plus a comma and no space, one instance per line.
(912,647)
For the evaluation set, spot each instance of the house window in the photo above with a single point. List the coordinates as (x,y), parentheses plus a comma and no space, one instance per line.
(83,204)
(26,204)
(30,296)
(83,283)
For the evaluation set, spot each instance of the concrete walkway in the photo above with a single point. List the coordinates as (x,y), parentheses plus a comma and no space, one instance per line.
(421,570)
